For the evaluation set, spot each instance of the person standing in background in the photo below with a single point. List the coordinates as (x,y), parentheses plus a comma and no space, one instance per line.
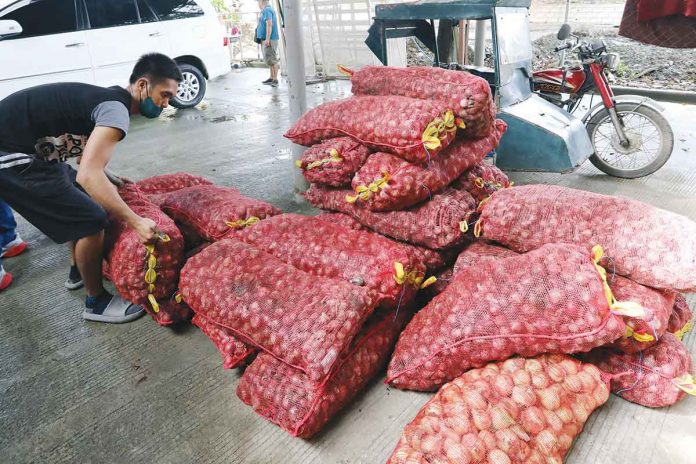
(267,33)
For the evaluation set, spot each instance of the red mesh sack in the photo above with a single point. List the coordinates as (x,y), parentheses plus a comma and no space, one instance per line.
(644,331)
(467,95)
(304,320)
(439,223)
(648,245)
(521,411)
(234,351)
(479,252)
(482,180)
(333,162)
(415,130)
(552,300)
(659,376)
(681,321)
(482,126)
(387,182)
(212,211)
(146,274)
(289,399)
(432,259)
(341,219)
(390,270)
(166,183)
(172,312)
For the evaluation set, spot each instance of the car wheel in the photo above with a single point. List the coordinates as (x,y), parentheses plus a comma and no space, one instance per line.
(191,89)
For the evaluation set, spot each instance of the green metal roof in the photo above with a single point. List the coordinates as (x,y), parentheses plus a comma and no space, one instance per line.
(445,9)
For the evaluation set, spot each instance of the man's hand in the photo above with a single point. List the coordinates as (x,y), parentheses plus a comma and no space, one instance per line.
(268,42)
(146,229)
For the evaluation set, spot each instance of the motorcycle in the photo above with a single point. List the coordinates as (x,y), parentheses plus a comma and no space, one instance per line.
(630,136)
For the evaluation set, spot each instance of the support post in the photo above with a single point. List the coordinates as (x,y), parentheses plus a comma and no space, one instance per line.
(296,80)
(480,50)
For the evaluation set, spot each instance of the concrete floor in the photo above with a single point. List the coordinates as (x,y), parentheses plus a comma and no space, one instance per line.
(79,392)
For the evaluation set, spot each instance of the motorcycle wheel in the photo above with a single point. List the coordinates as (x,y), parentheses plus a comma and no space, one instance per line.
(650,136)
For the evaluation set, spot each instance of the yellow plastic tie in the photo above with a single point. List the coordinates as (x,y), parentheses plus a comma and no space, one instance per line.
(622,308)
(478,228)
(364,192)
(242,223)
(686,383)
(334,157)
(153,302)
(178,298)
(428,282)
(415,278)
(460,123)
(431,136)
(641,337)
(478,182)
(450,122)
(464,227)
(684,330)
(151,272)
(298,163)
(399,273)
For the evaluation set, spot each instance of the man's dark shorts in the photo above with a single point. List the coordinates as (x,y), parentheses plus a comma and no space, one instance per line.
(45,194)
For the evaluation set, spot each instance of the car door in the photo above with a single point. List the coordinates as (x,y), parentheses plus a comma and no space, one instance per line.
(49,49)
(120,31)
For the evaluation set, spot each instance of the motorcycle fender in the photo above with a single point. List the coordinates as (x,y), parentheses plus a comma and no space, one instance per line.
(637,99)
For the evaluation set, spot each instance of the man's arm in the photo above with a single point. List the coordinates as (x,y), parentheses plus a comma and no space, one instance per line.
(91,176)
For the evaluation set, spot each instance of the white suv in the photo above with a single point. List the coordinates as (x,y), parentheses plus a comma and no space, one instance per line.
(99,41)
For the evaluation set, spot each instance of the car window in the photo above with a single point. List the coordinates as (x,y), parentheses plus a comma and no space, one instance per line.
(43,18)
(111,13)
(175,9)
(146,13)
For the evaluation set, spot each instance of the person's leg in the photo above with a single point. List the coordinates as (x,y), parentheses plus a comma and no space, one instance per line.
(45,196)
(7,224)
(11,244)
(74,280)
(88,257)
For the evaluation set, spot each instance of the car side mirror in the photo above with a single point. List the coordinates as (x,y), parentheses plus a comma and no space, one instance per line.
(9,28)
(564,32)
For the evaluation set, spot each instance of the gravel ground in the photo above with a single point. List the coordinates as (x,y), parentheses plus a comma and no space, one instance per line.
(641,65)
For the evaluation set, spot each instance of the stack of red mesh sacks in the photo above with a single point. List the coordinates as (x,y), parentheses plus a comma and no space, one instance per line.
(337,248)
(302,292)
(398,190)
(146,274)
(651,256)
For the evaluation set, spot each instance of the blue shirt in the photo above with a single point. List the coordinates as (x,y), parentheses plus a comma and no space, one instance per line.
(267,14)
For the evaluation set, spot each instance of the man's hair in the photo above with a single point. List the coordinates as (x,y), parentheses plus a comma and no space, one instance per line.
(156,67)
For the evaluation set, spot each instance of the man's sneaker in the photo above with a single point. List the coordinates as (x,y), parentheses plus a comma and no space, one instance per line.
(5,279)
(268,81)
(14,248)
(274,83)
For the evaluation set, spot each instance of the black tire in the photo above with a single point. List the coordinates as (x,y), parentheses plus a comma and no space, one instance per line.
(192,90)
(650,116)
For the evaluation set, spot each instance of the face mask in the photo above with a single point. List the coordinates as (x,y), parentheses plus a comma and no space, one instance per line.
(148,108)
